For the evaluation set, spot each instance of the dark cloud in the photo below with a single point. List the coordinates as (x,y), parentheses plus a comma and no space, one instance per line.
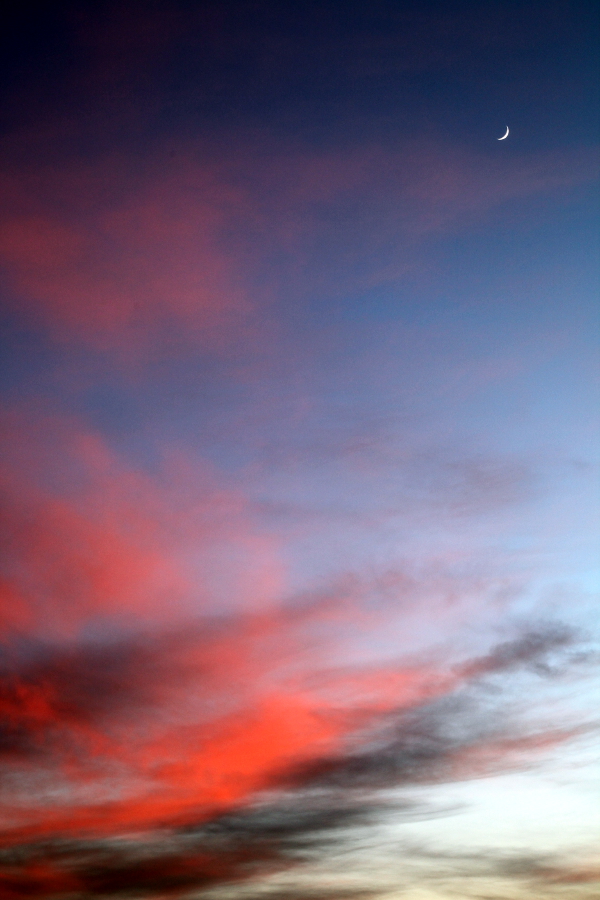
(448,740)
(309,810)
(249,844)
(443,739)
(47,692)
(238,846)
(535,650)
(413,746)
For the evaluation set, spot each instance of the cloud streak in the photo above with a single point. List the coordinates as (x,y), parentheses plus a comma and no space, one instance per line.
(123,254)
(256,774)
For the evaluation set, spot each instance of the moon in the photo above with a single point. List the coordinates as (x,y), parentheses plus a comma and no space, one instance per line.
(504,136)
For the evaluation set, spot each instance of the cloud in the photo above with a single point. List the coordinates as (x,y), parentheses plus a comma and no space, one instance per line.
(140,256)
(254,845)
(233,786)
(88,534)
(229,849)
(235,741)
(451,737)
(487,874)
(532,650)
(140,250)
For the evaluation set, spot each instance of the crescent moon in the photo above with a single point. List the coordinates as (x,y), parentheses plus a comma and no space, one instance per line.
(504,136)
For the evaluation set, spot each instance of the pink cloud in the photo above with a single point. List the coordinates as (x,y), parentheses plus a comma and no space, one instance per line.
(89,535)
(119,252)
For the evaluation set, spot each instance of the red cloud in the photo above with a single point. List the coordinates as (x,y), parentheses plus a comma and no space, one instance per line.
(130,700)
(89,536)
(120,680)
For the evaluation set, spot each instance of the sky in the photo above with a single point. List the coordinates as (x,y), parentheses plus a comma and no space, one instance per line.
(300,466)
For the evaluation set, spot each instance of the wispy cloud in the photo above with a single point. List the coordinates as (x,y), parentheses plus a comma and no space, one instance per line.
(124,253)
(293,547)
(250,781)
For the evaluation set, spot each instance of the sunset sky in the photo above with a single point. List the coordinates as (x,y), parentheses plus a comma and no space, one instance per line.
(300,444)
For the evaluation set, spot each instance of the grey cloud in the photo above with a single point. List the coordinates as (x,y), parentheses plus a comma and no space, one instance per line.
(235,847)
(77,684)
(319,808)
(243,848)
(535,650)
(530,874)
(435,741)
